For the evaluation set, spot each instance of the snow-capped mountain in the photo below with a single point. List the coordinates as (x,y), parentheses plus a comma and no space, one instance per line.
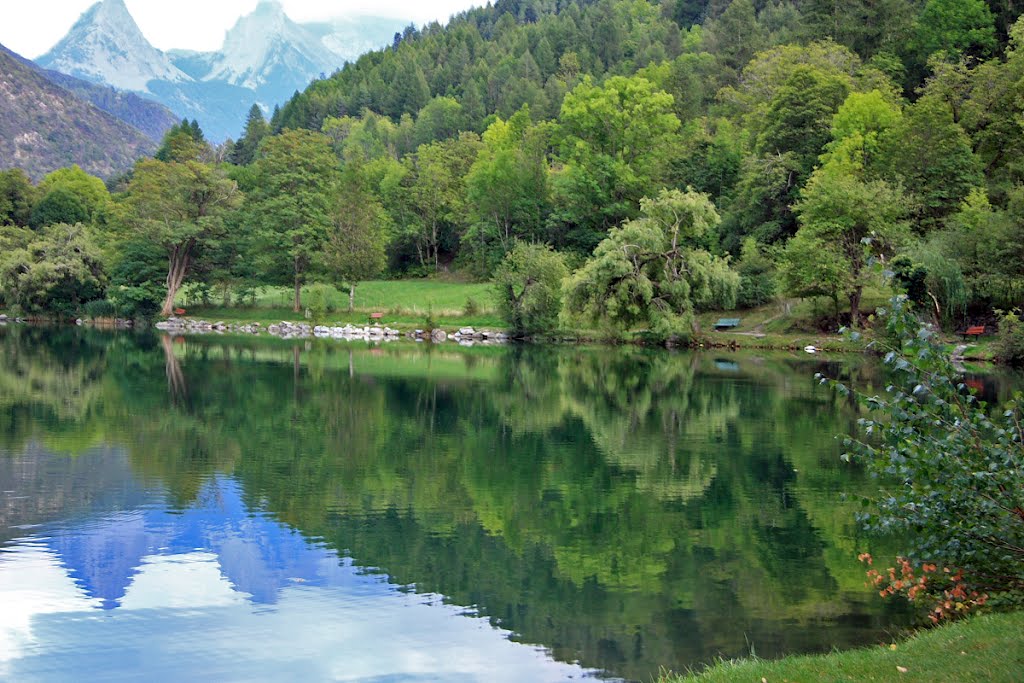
(265,47)
(106,46)
(265,58)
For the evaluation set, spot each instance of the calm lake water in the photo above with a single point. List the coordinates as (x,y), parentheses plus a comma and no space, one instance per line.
(265,511)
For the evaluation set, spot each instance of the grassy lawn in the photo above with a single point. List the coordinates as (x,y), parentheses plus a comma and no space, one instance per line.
(404,303)
(986,648)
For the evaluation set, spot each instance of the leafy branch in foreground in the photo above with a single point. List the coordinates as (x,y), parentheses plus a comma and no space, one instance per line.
(951,466)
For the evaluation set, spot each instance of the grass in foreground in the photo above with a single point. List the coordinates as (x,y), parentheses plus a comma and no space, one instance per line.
(986,648)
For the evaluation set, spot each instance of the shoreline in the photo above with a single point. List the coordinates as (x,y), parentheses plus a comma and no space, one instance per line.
(456,331)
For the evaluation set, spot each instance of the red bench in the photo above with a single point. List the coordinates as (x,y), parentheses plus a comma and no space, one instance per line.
(179,311)
(376,317)
(975,331)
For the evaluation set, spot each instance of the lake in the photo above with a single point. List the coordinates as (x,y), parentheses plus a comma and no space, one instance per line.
(234,510)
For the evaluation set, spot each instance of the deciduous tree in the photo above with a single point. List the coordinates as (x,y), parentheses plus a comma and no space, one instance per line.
(181,207)
(290,205)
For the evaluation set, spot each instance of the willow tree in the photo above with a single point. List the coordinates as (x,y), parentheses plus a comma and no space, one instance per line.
(181,207)
(654,271)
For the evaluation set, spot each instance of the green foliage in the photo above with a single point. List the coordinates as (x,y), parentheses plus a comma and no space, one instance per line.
(180,207)
(183,142)
(54,273)
(587,107)
(950,465)
(506,190)
(930,155)
(934,283)
(138,279)
(987,243)
(60,205)
(354,246)
(955,27)
(290,204)
(89,189)
(912,278)
(844,222)
(99,308)
(472,307)
(428,194)
(245,150)
(652,271)
(17,196)
(528,288)
(799,115)
(616,141)
(1009,347)
(757,276)
(319,302)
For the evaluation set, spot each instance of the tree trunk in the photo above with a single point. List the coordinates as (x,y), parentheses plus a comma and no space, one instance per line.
(175,276)
(351,297)
(298,293)
(855,307)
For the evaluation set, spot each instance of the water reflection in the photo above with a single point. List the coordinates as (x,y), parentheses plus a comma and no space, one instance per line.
(624,509)
(189,592)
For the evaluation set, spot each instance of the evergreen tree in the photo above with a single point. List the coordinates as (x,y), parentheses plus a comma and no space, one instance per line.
(244,151)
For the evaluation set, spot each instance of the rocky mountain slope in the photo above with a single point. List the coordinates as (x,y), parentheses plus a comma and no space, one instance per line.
(44,127)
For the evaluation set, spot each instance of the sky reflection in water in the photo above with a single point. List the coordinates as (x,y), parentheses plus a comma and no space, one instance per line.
(123,596)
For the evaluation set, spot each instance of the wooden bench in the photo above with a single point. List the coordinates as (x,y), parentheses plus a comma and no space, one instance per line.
(179,311)
(727,324)
(376,317)
(975,331)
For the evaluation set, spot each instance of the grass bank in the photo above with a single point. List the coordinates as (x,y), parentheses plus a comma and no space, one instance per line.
(987,648)
(406,304)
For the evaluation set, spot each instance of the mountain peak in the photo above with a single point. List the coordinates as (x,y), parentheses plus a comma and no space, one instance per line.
(114,9)
(269,6)
(106,45)
(266,43)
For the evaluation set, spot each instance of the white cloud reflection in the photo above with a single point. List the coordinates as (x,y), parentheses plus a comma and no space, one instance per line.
(180,619)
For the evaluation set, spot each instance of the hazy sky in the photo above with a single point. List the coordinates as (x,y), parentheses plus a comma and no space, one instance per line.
(31,27)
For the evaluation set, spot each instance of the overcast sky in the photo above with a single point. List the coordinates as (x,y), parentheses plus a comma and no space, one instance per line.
(31,27)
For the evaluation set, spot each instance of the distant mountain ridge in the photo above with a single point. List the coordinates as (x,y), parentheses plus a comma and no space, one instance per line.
(44,126)
(265,58)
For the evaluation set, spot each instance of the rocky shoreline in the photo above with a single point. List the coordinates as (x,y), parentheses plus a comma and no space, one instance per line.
(289,330)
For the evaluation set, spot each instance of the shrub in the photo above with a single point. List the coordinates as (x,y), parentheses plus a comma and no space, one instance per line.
(138,280)
(100,308)
(528,288)
(54,272)
(320,302)
(1009,346)
(951,466)
(472,307)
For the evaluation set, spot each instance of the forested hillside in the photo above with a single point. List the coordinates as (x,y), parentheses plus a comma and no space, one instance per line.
(676,156)
(773,108)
